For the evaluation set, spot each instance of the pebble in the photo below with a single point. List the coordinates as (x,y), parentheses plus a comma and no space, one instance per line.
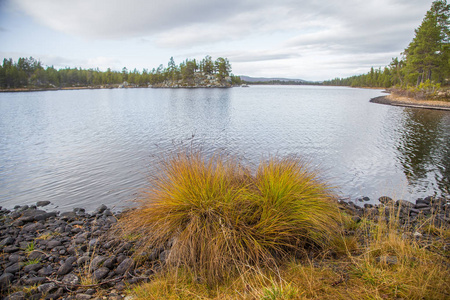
(42,203)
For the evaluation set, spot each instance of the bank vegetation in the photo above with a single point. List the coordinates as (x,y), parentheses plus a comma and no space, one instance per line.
(423,69)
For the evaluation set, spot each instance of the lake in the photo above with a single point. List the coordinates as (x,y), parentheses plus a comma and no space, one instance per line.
(82,148)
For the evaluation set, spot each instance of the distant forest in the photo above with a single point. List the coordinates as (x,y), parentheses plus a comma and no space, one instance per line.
(425,62)
(29,73)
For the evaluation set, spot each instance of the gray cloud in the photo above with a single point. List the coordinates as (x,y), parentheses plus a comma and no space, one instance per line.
(111,19)
(256,56)
(305,33)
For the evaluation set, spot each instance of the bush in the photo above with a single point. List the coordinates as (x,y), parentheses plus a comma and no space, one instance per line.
(215,215)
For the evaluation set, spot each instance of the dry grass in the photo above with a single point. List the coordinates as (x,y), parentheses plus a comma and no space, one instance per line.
(388,263)
(410,101)
(217,217)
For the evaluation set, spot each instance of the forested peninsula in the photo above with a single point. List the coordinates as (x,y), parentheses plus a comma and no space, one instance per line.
(423,70)
(30,74)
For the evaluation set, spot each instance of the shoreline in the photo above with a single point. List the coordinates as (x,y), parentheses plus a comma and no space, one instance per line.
(26,90)
(80,255)
(408,102)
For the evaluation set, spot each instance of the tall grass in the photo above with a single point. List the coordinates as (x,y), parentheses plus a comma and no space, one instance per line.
(420,270)
(215,215)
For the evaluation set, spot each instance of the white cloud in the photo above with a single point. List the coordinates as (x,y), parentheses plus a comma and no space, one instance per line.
(287,35)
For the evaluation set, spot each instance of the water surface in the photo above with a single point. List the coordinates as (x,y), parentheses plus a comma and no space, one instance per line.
(82,148)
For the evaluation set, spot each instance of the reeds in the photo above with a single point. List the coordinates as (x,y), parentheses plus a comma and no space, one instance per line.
(214,215)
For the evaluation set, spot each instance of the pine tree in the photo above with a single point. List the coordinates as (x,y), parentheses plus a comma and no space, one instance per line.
(427,55)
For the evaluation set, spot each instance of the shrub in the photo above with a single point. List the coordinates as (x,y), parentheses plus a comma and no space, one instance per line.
(214,214)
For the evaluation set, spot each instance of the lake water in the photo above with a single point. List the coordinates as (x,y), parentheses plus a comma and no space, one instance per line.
(82,148)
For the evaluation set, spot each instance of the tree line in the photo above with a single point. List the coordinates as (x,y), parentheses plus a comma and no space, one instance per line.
(29,72)
(426,60)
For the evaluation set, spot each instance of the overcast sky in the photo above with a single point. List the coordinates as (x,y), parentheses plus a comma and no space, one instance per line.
(307,39)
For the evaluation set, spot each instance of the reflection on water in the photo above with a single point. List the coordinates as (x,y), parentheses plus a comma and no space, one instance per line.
(84,148)
(423,149)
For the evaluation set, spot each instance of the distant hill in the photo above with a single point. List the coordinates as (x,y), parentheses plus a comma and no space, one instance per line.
(264,79)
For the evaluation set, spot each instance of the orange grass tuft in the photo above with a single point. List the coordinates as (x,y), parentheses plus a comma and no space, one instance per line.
(214,214)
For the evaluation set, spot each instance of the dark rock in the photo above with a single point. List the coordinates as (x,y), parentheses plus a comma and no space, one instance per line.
(125,265)
(125,247)
(7,241)
(45,216)
(97,262)
(32,267)
(56,295)
(421,200)
(366,198)
(35,280)
(5,280)
(37,296)
(79,210)
(385,200)
(47,288)
(76,230)
(101,273)
(164,255)
(109,262)
(100,209)
(16,296)
(67,266)
(42,203)
(83,297)
(90,292)
(111,219)
(413,211)
(16,258)
(79,223)
(425,210)
(430,199)
(10,249)
(68,216)
(93,243)
(107,213)
(404,204)
(22,208)
(79,240)
(71,279)
(53,243)
(114,296)
(64,269)
(14,268)
(46,271)
(120,286)
(31,213)
(156,251)
(83,260)
(421,205)
(367,205)
(34,227)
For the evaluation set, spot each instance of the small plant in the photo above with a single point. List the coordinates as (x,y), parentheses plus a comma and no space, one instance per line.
(280,292)
(32,262)
(30,247)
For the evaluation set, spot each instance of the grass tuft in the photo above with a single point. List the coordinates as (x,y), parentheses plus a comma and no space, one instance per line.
(215,216)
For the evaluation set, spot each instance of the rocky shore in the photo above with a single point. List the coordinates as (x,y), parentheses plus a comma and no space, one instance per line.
(69,255)
(78,255)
